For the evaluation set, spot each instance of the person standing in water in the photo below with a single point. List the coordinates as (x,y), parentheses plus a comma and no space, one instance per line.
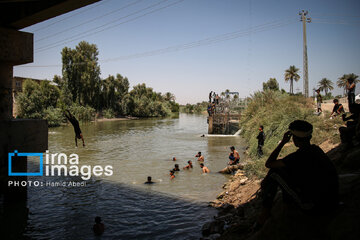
(75,123)
(204,169)
(200,157)
(189,165)
(149,180)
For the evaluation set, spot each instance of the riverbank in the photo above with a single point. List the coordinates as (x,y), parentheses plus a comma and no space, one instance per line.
(115,119)
(239,203)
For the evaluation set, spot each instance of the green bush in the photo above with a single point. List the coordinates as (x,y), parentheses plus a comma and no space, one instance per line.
(82,113)
(54,116)
(275,111)
(108,113)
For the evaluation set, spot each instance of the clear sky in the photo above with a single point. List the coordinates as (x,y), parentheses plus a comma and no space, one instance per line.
(205,45)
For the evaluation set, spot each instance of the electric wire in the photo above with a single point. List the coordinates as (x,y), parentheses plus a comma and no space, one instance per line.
(89,21)
(198,43)
(86,34)
(69,16)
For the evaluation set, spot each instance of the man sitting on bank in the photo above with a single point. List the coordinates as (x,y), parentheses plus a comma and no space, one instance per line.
(307,178)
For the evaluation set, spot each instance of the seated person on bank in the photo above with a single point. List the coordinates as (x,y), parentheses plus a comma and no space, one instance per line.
(234,156)
(348,132)
(338,109)
(307,178)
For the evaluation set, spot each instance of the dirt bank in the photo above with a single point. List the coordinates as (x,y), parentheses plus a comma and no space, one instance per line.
(239,206)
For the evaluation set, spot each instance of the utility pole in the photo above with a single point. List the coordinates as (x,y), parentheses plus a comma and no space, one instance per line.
(305,19)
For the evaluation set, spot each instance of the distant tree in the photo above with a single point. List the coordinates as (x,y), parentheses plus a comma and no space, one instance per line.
(81,72)
(325,85)
(291,74)
(341,82)
(227,91)
(271,84)
(169,96)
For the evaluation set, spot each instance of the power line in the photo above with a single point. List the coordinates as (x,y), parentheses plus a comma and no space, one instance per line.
(91,20)
(198,43)
(74,38)
(77,13)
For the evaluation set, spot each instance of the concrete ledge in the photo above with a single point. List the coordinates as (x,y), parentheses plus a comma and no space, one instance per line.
(16,47)
(24,135)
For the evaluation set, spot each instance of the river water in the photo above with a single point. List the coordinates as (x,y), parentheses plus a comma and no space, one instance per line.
(169,209)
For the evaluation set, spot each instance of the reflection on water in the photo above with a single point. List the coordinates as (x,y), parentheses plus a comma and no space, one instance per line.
(131,210)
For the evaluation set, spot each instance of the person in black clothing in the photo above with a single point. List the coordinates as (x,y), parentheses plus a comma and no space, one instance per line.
(76,126)
(261,139)
(307,178)
(348,132)
(176,168)
(338,108)
(350,87)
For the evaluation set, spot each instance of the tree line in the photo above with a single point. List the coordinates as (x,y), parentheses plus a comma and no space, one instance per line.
(326,85)
(81,90)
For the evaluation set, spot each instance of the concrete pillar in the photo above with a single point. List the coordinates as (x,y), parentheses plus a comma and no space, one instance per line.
(211,122)
(6,75)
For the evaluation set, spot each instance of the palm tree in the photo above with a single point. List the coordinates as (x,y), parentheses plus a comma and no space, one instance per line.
(325,85)
(227,93)
(341,82)
(291,75)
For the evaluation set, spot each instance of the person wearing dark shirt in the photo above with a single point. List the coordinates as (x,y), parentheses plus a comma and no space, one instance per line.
(176,168)
(338,108)
(307,178)
(318,100)
(77,130)
(350,87)
(261,139)
(348,132)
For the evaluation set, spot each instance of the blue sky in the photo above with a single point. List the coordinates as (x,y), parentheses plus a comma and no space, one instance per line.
(268,40)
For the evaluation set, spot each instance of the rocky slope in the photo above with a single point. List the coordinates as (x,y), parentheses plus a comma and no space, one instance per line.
(239,206)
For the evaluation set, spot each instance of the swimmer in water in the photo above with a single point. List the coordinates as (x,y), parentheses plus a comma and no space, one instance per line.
(149,181)
(204,169)
(172,175)
(189,165)
(174,159)
(176,168)
(200,157)
(98,227)
(75,123)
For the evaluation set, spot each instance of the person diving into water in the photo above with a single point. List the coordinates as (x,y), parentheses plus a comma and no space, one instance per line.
(75,123)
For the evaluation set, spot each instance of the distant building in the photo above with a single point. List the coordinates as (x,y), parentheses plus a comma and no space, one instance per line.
(17,84)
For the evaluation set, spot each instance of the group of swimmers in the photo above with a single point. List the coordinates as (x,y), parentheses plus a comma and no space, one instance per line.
(200,159)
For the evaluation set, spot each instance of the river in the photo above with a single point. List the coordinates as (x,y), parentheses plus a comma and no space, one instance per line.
(168,209)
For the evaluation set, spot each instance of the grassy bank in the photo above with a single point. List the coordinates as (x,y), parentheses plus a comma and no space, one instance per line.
(275,111)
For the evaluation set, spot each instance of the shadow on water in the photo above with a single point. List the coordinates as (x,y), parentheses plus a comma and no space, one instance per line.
(128,213)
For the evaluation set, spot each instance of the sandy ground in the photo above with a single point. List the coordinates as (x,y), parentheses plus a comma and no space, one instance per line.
(328,105)
(115,119)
